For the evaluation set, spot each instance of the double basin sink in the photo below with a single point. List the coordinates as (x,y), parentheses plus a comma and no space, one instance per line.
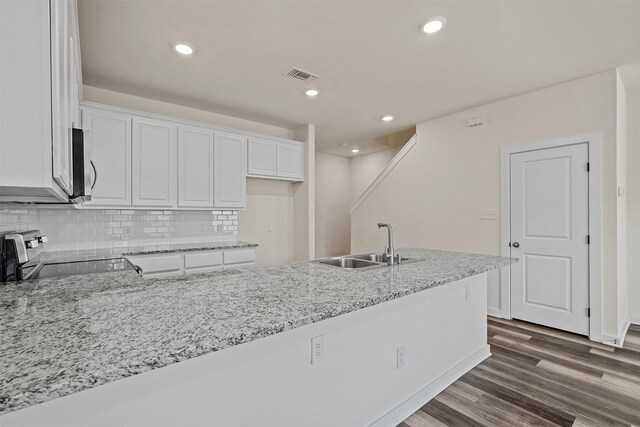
(364,261)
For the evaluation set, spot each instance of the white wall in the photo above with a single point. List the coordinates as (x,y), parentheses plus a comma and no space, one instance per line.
(269,206)
(621,223)
(333,201)
(433,196)
(366,168)
(304,198)
(118,99)
(267,202)
(633,203)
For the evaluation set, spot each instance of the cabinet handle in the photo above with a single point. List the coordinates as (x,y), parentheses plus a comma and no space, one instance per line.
(95,174)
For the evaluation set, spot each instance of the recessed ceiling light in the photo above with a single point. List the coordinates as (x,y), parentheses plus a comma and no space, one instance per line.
(312,92)
(387,118)
(434,25)
(355,150)
(183,48)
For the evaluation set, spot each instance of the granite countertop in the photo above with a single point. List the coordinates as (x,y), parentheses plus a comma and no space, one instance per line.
(114,253)
(64,335)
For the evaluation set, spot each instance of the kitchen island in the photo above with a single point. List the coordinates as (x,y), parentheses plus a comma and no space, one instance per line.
(115,349)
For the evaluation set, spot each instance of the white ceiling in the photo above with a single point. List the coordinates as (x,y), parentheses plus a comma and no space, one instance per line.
(370,56)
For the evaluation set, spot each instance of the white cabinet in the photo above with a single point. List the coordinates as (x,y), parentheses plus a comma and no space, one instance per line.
(290,160)
(154,163)
(61,77)
(195,167)
(202,261)
(41,84)
(275,159)
(239,258)
(177,264)
(159,265)
(261,157)
(229,167)
(145,160)
(110,134)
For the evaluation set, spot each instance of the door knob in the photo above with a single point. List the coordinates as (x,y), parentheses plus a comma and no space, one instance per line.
(515,244)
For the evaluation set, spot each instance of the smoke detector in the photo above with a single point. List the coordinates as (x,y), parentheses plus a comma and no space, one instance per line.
(298,74)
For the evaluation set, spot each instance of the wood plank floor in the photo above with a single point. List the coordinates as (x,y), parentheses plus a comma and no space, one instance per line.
(539,376)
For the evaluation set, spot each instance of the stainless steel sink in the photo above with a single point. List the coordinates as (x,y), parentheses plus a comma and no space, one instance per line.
(364,261)
(348,263)
(380,258)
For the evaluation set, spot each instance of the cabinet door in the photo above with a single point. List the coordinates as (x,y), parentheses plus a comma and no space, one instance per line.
(111,147)
(290,160)
(229,159)
(155,164)
(262,157)
(195,167)
(61,94)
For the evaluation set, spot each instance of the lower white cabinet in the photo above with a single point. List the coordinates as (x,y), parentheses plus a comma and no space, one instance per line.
(154,158)
(203,261)
(229,168)
(239,257)
(179,264)
(159,265)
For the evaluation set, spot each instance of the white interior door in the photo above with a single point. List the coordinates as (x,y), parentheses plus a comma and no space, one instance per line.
(549,229)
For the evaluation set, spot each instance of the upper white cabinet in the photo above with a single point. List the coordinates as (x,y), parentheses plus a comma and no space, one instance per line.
(61,81)
(229,168)
(195,167)
(262,157)
(291,160)
(110,137)
(275,159)
(154,163)
(145,160)
(41,85)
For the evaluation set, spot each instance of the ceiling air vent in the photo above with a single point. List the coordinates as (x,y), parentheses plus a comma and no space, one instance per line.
(299,74)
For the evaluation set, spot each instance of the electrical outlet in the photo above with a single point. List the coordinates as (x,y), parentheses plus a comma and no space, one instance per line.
(128,231)
(490,214)
(401,357)
(317,349)
(467,292)
(269,228)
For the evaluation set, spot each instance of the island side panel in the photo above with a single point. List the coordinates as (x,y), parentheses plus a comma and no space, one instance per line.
(271,381)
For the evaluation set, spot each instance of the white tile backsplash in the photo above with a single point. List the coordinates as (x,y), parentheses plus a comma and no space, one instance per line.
(71,228)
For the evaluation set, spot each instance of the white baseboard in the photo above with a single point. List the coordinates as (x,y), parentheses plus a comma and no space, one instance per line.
(418,400)
(618,341)
(491,311)
(634,320)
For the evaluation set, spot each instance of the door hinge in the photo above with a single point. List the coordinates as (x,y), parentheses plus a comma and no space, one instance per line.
(588,239)
(588,312)
(588,167)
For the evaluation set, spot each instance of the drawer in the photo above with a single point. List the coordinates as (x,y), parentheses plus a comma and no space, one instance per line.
(239,256)
(202,259)
(157,263)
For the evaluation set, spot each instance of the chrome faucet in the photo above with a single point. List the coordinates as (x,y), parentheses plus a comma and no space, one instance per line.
(389,250)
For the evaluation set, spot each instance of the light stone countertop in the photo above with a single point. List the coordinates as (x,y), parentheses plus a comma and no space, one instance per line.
(64,335)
